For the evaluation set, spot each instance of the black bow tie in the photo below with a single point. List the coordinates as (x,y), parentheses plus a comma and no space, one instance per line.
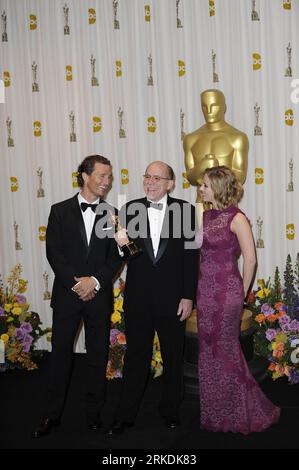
(84,206)
(155,205)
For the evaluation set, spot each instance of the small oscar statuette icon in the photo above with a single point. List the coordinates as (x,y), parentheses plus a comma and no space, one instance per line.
(115,7)
(257,128)
(10,141)
(35,86)
(215,75)
(130,249)
(150,81)
(4,25)
(47,294)
(122,132)
(259,241)
(254,13)
(290,183)
(182,115)
(40,190)
(66,19)
(178,20)
(288,72)
(18,245)
(94,80)
(73,137)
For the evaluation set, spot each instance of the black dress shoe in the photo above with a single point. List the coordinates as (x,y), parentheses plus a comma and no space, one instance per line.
(95,426)
(45,427)
(171,422)
(118,427)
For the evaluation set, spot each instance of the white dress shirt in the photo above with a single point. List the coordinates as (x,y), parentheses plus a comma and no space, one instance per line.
(156,218)
(89,218)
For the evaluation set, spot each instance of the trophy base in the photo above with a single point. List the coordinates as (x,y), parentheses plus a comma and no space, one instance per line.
(122,134)
(131,249)
(288,72)
(47,295)
(290,188)
(4,37)
(150,81)
(66,30)
(215,78)
(255,16)
(179,23)
(116,24)
(73,137)
(94,81)
(40,193)
(10,142)
(257,131)
(18,246)
(35,87)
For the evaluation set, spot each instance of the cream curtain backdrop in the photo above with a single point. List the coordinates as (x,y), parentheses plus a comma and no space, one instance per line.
(123,78)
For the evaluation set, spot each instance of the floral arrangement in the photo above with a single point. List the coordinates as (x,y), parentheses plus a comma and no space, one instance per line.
(276,315)
(19,328)
(117,346)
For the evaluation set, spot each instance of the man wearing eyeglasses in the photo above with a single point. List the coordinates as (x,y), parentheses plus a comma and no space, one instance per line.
(160,288)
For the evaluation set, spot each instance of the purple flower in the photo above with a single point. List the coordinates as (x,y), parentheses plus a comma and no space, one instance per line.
(270,334)
(20,334)
(294,376)
(294,325)
(1,312)
(21,299)
(27,340)
(267,310)
(284,319)
(113,336)
(26,327)
(286,328)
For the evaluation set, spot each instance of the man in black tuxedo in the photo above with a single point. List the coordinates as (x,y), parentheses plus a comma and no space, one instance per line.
(160,289)
(84,264)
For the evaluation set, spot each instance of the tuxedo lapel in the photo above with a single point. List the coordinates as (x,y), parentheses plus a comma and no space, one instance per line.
(165,232)
(78,220)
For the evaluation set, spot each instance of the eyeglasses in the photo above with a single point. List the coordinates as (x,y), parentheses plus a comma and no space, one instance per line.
(155,178)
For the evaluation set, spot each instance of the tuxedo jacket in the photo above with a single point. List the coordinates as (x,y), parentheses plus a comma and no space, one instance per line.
(70,255)
(172,274)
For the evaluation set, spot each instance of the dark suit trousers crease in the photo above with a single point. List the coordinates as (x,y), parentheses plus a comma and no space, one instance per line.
(140,329)
(65,326)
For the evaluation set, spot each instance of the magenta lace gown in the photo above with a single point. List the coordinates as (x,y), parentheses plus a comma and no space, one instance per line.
(230,398)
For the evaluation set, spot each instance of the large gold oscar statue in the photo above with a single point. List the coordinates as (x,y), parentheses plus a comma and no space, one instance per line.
(215,143)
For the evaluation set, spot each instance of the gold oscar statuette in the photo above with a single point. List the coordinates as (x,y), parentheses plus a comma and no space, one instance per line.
(130,249)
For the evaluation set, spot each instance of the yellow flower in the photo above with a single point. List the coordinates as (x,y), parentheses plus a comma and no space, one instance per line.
(118,305)
(22,286)
(262,293)
(116,292)
(281,337)
(9,319)
(16,311)
(4,337)
(116,317)
(7,307)
(158,356)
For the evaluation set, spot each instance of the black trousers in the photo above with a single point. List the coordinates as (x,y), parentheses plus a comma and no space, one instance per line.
(140,328)
(65,327)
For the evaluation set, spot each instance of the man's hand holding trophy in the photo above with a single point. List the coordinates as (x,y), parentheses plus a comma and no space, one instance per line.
(127,246)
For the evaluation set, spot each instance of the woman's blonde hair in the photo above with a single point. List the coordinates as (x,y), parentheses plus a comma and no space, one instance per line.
(225,186)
